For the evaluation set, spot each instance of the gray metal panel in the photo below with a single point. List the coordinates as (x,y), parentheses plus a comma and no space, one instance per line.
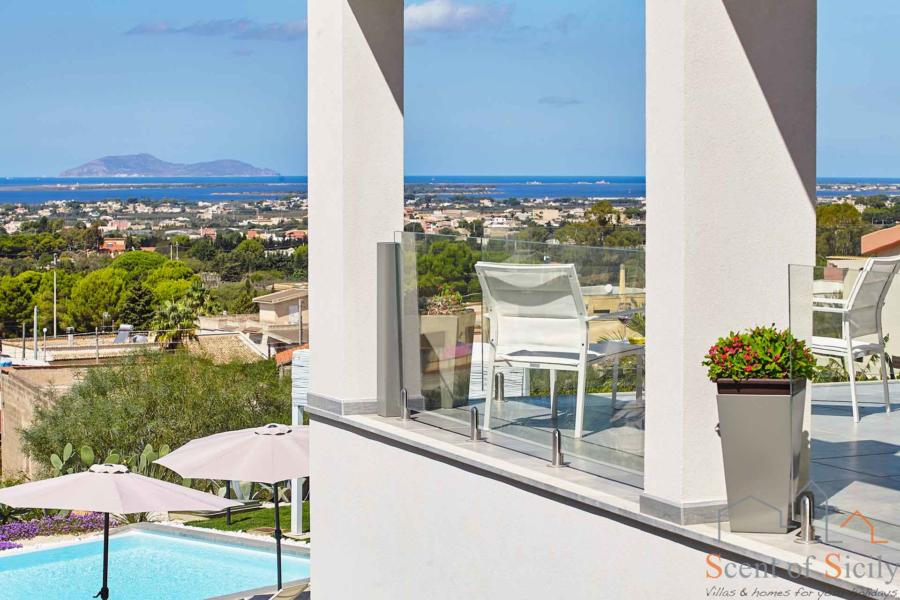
(760,448)
(388,342)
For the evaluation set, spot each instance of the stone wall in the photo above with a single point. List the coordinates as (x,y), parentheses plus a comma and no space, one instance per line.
(21,391)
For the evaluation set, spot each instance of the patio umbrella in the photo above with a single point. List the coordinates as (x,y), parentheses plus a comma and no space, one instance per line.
(109,489)
(269,454)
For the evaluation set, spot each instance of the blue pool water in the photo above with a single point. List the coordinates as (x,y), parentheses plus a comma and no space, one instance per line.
(141,566)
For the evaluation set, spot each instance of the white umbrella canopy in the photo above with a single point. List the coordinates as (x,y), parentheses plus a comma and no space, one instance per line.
(110,489)
(267,454)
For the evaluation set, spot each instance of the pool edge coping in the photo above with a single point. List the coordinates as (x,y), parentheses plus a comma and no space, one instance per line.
(210,535)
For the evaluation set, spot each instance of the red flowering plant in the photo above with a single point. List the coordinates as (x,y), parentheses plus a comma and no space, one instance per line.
(760,353)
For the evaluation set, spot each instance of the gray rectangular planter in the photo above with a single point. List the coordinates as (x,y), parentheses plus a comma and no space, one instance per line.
(761,425)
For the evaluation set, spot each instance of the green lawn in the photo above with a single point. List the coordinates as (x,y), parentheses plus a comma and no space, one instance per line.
(264,517)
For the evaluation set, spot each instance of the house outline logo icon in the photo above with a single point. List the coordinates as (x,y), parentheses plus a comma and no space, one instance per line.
(856,514)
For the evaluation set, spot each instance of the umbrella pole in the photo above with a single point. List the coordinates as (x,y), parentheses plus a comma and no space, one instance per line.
(104,591)
(228,497)
(277,532)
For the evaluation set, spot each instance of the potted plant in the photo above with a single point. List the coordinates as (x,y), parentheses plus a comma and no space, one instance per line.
(447,328)
(761,378)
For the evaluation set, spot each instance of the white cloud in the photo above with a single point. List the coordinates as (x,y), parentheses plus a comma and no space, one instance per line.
(559,100)
(240,29)
(449,15)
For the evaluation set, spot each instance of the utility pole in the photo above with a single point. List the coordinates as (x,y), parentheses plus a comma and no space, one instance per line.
(54,295)
(23,340)
(45,343)
(35,332)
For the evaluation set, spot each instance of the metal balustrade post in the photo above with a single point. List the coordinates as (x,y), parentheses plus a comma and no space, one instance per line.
(404,405)
(499,391)
(474,431)
(807,534)
(556,456)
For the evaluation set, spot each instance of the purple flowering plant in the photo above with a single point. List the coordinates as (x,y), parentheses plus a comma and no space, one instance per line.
(70,524)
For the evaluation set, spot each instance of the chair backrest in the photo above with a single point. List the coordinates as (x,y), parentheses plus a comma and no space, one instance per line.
(867,296)
(533,305)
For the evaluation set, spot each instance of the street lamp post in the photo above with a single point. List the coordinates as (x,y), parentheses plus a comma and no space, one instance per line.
(54,294)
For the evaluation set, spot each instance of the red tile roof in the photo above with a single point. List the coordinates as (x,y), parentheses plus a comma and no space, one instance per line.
(881,240)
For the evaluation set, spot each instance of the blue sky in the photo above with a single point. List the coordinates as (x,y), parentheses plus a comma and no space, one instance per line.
(492,87)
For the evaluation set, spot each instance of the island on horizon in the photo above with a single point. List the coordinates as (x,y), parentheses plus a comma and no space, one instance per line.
(147,165)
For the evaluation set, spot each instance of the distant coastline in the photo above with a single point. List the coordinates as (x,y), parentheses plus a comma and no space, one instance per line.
(37,190)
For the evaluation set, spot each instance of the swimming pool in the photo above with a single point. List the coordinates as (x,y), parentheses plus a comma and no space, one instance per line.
(142,565)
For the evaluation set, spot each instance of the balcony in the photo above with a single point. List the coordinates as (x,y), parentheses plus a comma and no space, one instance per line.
(446,350)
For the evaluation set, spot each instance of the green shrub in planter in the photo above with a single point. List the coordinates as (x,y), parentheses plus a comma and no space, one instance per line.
(759,353)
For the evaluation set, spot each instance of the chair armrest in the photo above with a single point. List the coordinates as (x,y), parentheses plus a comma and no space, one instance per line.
(833,301)
(829,309)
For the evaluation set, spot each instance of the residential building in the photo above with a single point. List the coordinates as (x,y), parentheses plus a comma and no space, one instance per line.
(423,510)
(282,307)
(113,246)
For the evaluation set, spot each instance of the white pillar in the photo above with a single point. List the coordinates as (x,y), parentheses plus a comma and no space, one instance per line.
(355,183)
(731,163)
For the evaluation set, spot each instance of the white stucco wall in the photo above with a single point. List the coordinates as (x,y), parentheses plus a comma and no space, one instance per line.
(393,525)
(355,181)
(731,149)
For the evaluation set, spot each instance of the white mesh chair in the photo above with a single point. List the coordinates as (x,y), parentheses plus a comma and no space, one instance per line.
(860,316)
(538,320)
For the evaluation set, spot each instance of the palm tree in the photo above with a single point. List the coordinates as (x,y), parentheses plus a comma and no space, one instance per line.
(173,323)
(200,300)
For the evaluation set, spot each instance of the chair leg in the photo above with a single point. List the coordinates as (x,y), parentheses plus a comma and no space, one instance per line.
(851,369)
(884,382)
(553,407)
(579,401)
(639,383)
(615,380)
(488,395)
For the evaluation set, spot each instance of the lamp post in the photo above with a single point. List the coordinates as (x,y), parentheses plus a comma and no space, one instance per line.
(45,343)
(54,294)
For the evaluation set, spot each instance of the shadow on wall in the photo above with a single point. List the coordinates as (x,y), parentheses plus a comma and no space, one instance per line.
(385,43)
(783,74)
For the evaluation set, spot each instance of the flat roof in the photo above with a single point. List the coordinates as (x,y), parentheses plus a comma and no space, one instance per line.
(281,296)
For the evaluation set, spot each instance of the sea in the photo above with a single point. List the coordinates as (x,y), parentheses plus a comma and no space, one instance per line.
(37,190)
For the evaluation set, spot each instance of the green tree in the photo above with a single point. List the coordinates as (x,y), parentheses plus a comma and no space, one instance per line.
(301,262)
(199,300)
(137,309)
(243,304)
(16,302)
(99,292)
(203,249)
(170,290)
(174,322)
(446,265)
(139,263)
(839,229)
(157,398)
(169,270)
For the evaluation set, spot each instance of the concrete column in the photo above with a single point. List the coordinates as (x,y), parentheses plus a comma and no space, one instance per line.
(355,183)
(731,164)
